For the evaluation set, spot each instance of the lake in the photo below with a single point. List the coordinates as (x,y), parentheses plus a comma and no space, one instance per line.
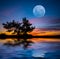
(46,48)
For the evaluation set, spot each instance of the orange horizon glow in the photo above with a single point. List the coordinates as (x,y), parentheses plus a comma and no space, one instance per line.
(38,32)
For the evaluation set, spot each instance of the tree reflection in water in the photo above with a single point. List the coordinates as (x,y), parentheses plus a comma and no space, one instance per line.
(24,42)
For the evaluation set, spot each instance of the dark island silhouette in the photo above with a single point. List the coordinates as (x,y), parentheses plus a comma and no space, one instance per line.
(21,30)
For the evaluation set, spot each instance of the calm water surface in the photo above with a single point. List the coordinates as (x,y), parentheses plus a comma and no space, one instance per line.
(45,48)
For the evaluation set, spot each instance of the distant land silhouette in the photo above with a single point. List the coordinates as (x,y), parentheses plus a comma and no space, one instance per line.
(4,36)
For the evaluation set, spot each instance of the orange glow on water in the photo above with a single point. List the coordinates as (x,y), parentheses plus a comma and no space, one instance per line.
(33,40)
(45,40)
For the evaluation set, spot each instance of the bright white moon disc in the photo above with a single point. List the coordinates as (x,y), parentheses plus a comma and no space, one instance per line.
(39,11)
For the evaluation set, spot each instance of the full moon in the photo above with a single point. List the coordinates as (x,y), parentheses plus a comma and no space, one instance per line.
(39,11)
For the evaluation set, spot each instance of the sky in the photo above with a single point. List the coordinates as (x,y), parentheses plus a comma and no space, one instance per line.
(17,9)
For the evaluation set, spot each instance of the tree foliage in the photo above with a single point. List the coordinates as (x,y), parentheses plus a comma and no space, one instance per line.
(19,28)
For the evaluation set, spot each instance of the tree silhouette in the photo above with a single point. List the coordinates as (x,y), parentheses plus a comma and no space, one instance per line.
(19,28)
(13,26)
(26,26)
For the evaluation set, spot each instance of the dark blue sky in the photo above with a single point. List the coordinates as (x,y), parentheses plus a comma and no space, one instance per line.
(24,8)
(17,9)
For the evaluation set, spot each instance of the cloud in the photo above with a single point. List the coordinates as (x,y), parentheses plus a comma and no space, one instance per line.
(46,22)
